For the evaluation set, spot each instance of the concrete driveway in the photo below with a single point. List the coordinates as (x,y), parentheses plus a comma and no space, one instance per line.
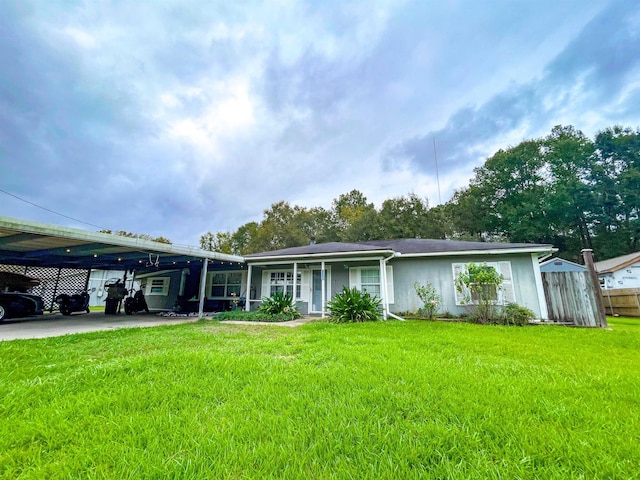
(55,325)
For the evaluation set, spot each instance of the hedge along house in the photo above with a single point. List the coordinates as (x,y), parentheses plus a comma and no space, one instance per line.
(389,270)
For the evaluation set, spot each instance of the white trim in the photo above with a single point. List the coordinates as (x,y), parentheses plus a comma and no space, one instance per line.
(247,304)
(323,293)
(505,251)
(542,302)
(323,283)
(166,281)
(317,256)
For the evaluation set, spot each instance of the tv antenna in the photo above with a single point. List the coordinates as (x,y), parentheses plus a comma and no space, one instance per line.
(435,156)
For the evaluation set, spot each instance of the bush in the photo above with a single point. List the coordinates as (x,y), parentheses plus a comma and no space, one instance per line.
(514,314)
(354,306)
(430,299)
(279,304)
(256,316)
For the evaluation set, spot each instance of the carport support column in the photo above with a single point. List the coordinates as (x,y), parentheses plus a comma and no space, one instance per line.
(323,277)
(247,295)
(203,286)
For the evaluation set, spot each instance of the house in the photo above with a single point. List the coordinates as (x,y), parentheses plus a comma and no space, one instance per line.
(560,265)
(389,269)
(620,272)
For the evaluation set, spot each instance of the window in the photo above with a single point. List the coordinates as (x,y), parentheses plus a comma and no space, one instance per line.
(501,294)
(283,282)
(226,284)
(370,281)
(157,286)
(367,279)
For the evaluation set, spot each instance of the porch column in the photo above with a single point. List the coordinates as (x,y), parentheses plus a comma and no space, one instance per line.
(203,286)
(295,281)
(383,288)
(247,301)
(324,286)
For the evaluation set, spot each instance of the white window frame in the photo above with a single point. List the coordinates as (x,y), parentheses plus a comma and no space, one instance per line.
(287,279)
(505,292)
(355,280)
(165,282)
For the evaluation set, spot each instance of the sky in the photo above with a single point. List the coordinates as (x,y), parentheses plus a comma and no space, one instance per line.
(178,117)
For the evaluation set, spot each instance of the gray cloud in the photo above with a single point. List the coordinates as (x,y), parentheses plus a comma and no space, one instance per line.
(586,77)
(173,118)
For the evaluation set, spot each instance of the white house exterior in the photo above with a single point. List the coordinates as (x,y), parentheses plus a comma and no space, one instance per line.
(620,272)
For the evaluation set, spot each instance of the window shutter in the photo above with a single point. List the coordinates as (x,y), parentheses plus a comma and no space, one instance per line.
(509,295)
(354,278)
(457,269)
(266,287)
(390,298)
(304,285)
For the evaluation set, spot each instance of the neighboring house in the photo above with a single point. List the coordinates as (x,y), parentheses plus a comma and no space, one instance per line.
(620,272)
(389,269)
(560,265)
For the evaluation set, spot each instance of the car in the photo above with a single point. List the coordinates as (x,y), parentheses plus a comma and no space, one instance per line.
(15,302)
(18,304)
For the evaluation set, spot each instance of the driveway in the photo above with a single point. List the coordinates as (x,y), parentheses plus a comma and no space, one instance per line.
(55,325)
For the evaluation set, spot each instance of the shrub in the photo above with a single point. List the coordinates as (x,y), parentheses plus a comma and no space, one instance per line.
(279,304)
(431,301)
(354,306)
(514,314)
(255,316)
(480,285)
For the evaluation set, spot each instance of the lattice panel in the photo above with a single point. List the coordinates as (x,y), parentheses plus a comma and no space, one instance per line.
(53,281)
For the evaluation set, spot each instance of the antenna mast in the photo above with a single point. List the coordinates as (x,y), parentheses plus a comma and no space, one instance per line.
(435,156)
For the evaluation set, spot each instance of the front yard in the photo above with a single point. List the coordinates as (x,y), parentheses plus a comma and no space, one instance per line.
(373,400)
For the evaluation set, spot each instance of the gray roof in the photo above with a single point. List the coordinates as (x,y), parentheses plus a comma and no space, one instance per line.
(405,246)
(613,264)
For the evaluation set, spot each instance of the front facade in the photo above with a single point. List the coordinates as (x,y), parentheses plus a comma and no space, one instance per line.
(389,270)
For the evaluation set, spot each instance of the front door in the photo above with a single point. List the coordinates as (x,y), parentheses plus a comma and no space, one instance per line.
(316,290)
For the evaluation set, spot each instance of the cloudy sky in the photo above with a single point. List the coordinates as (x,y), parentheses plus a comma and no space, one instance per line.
(179,117)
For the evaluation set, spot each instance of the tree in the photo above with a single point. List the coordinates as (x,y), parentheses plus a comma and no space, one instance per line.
(616,179)
(142,236)
(217,242)
(354,217)
(404,217)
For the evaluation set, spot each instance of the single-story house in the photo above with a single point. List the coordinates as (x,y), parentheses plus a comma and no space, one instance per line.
(389,270)
(557,264)
(620,272)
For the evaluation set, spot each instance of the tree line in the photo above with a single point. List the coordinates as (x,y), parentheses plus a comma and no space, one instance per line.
(564,189)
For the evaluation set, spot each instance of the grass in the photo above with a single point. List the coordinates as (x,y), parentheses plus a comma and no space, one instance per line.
(375,400)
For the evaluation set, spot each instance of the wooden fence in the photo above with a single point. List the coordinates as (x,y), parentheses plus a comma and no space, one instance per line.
(622,301)
(570,298)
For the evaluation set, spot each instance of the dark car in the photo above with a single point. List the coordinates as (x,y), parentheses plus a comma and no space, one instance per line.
(14,300)
(18,304)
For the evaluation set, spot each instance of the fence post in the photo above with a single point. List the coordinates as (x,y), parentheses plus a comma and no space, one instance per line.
(587,255)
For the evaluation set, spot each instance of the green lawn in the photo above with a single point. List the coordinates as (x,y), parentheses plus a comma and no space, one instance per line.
(389,400)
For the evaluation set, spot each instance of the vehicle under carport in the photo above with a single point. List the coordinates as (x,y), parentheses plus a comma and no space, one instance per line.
(62,258)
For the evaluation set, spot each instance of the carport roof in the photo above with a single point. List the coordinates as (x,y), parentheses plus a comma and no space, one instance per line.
(43,245)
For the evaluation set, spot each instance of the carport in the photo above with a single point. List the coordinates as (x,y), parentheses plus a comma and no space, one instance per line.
(26,245)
